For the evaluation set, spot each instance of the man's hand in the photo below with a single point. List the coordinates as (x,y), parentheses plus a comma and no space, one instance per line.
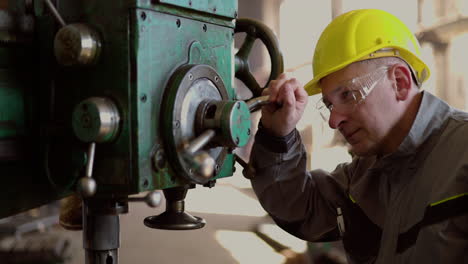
(288,100)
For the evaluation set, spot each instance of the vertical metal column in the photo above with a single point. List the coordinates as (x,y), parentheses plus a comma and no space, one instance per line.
(101,236)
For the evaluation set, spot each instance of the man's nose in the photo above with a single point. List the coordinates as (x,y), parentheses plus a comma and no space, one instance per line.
(336,119)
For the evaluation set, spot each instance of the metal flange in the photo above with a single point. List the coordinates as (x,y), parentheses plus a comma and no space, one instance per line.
(187,88)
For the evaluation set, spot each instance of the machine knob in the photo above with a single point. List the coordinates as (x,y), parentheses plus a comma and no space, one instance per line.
(200,162)
(77,44)
(87,185)
(152,199)
(96,119)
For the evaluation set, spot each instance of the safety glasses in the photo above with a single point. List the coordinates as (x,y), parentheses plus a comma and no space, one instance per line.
(350,93)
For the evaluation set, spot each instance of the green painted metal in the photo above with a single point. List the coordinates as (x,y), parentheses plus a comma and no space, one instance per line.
(144,42)
(237,123)
(12,109)
(155,66)
(224,8)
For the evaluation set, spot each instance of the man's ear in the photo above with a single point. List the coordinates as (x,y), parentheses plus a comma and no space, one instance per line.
(403,82)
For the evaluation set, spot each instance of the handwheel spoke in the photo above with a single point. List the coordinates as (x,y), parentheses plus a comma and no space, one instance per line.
(246,48)
(256,30)
(250,81)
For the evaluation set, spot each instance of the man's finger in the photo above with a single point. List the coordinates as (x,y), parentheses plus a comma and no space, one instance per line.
(299,91)
(275,86)
(286,97)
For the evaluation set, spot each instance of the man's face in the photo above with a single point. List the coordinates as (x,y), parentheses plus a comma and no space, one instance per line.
(367,126)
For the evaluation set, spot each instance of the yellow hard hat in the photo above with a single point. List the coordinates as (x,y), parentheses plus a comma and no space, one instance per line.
(360,35)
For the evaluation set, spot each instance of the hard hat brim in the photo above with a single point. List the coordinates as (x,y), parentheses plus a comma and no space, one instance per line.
(422,71)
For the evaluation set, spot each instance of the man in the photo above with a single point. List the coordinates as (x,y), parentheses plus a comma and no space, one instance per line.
(403,198)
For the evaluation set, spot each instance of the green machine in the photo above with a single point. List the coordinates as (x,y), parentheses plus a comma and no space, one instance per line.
(111,98)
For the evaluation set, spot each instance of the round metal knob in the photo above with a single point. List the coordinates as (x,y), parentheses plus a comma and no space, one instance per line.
(77,44)
(152,199)
(87,186)
(96,120)
(203,164)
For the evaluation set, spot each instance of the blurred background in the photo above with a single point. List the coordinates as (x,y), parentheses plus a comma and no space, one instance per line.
(238,230)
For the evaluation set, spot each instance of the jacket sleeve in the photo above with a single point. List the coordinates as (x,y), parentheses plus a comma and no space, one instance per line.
(302,202)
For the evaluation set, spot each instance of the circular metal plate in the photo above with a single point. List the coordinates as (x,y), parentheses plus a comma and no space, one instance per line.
(187,88)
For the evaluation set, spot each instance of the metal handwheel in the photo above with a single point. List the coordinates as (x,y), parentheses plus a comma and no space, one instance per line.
(256,30)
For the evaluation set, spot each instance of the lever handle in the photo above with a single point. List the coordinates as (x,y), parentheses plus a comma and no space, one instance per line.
(200,162)
(87,185)
(152,199)
(55,13)
(249,170)
(199,142)
(257,103)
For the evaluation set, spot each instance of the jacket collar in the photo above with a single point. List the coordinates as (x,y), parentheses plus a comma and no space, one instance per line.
(431,116)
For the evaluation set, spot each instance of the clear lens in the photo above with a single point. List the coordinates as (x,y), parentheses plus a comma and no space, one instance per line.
(350,93)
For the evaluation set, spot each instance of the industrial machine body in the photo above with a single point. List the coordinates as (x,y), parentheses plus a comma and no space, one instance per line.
(112,98)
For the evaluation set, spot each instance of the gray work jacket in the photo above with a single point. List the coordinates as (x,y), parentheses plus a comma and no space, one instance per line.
(386,203)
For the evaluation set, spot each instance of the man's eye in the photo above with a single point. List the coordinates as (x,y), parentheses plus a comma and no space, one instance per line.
(346,95)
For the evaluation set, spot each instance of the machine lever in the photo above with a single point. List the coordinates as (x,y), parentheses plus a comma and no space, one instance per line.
(200,162)
(257,103)
(152,199)
(87,185)
(249,170)
(199,142)
(55,13)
